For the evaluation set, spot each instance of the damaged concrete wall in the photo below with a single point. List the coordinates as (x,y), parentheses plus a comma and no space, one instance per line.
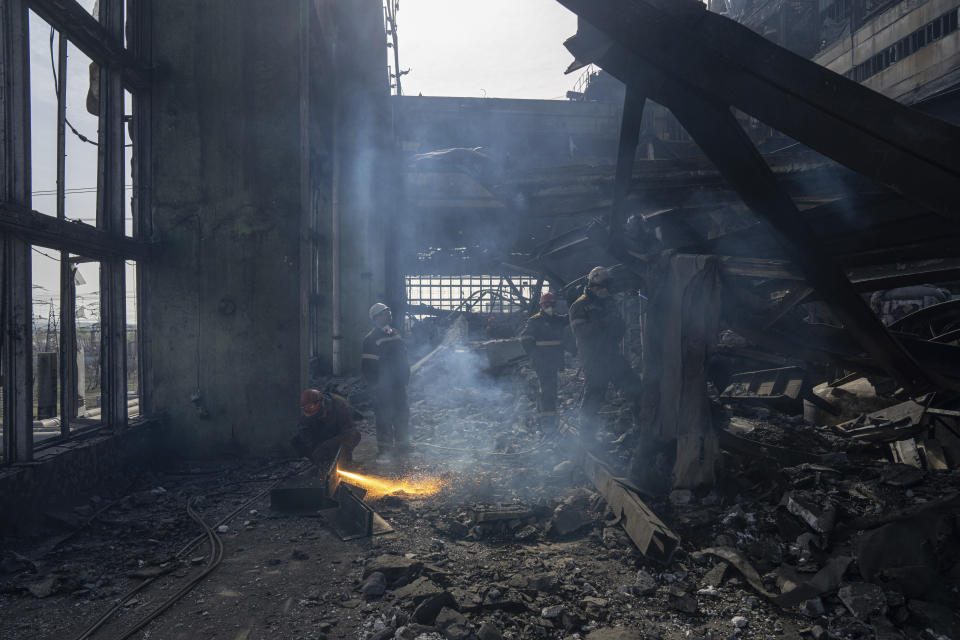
(231,106)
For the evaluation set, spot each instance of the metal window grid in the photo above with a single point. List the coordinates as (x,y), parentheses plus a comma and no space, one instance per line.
(483,294)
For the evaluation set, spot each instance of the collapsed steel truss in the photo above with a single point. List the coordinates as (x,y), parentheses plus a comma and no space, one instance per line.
(701,66)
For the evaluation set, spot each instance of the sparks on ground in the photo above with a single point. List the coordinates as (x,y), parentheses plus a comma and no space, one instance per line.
(411,485)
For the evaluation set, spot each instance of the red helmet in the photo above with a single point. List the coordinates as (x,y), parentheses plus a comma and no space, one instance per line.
(548,298)
(313,401)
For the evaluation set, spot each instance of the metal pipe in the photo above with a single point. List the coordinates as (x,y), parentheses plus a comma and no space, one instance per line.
(335,240)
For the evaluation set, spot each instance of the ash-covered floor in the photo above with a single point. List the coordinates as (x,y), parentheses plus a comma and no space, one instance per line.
(870,545)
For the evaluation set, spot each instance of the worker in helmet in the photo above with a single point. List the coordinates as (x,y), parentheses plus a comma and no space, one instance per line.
(543,339)
(326,425)
(598,329)
(386,371)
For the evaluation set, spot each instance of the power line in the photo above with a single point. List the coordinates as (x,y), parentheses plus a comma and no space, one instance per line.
(56,91)
(53,192)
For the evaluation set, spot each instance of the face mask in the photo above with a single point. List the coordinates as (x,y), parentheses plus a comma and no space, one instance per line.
(601,292)
(549,310)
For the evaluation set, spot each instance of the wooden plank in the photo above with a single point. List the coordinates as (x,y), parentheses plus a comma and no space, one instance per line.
(15,284)
(98,43)
(651,536)
(46,231)
(110,210)
(894,145)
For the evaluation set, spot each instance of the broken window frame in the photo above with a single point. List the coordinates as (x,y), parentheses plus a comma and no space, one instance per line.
(21,227)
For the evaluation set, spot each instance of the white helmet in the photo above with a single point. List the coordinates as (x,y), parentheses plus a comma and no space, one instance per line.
(598,274)
(377,309)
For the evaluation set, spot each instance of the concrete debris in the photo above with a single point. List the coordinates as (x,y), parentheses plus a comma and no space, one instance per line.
(375,585)
(568,518)
(901,475)
(819,519)
(863,600)
(12,562)
(811,533)
(644,583)
(431,606)
(44,588)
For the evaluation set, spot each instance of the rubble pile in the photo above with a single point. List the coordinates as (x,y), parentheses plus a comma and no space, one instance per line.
(811,533)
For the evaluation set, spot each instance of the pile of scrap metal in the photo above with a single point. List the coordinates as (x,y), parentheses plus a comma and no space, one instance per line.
(799,237)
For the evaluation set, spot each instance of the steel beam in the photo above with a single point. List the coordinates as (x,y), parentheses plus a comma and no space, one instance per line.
(46,231)
(898,147)
(721,138)
(110,194)
(100,44)
(626,156)
(138,37)
(15,283)
(647,531)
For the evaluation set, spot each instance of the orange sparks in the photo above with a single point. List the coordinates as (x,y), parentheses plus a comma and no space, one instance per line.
(378,487)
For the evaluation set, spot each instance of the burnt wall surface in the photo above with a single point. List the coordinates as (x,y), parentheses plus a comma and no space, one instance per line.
(76,469)
(223,293)
(256,111)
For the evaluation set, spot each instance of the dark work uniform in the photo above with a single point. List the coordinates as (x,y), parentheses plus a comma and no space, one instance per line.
(543,339)
(321,435)
(598,328)
(387,371)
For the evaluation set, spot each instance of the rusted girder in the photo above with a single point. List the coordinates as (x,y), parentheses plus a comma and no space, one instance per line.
(651,536)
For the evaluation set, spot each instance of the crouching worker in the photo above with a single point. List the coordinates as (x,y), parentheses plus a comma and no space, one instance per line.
(386,371)
(543,339)
(326,425)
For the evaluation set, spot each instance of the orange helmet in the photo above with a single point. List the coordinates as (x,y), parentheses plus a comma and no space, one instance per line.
(313,401)
(548,298)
